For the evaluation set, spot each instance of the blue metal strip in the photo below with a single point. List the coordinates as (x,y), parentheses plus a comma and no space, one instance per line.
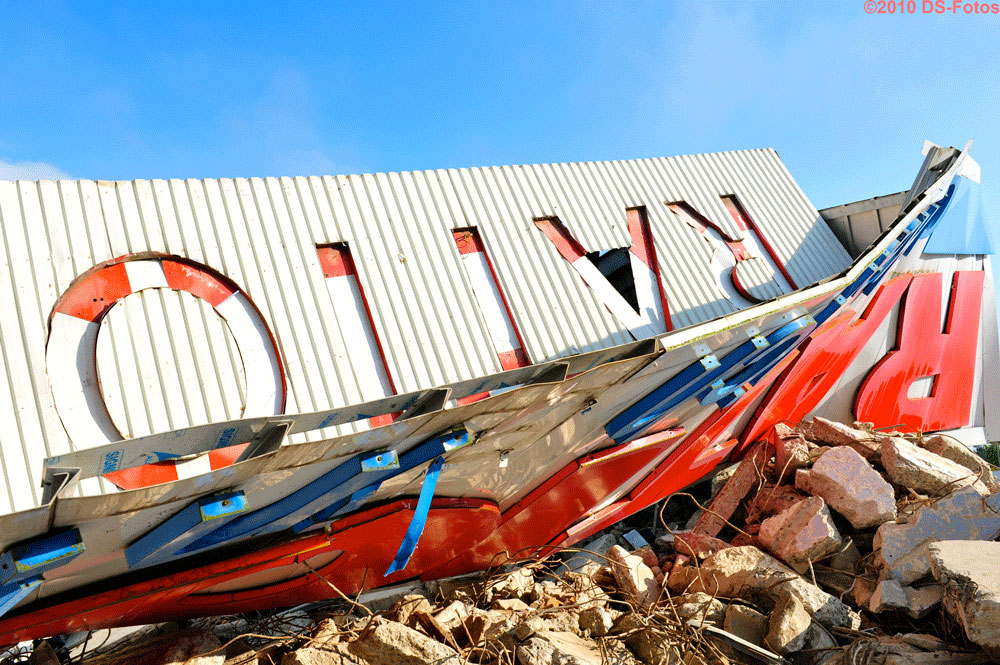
(419,519)
(164,541)
(324,496)
(37,556)
(780,341)
(13,593)
(685,384)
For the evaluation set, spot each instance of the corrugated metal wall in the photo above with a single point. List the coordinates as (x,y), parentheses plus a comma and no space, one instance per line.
(166,361)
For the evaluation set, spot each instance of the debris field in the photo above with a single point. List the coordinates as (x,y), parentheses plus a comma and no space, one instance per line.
(827,544)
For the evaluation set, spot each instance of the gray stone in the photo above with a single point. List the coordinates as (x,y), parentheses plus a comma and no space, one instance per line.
(968,570)
(818,638)
(963,515)
(801,534)
(788,626)
(888,595)
(850,486)
(391,643)
(921,470)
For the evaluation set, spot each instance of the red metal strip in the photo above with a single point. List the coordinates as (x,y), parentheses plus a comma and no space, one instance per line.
(642,246)
(196,281)
(95,292)
(745,222)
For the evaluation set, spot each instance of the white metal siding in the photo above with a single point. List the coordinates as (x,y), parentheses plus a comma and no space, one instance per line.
(263,233)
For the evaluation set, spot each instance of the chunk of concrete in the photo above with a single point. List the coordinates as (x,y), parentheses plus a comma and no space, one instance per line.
(956,451)
(963,515)
(333,654)
(771,500)
(801,534)
(653,647)
(791,451)
(636,580)
(696,545)
(192,647)
(746,623)
(830,433)
(895,651)
(558,648)
(916,602)
(699,607)
(968,571)
(788,626)
(391,643)
(921,470)
(596,621)
(747,572)
(850,486)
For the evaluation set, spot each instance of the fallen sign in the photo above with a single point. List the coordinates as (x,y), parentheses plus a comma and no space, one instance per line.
(513,435)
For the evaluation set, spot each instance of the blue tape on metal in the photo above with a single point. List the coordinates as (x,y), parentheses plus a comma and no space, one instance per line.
(756,366)
(223,505)
(40,555)
(416,528)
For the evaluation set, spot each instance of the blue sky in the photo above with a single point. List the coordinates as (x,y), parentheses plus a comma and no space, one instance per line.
(144,90)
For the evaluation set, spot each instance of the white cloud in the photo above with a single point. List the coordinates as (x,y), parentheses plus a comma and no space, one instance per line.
(30,171)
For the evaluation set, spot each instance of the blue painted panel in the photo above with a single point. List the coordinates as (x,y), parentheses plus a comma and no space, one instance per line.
(967,226)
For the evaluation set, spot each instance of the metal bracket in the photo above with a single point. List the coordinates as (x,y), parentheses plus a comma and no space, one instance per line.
(267,440)
(709,362)
(429,402)
(55,481)
(380,461)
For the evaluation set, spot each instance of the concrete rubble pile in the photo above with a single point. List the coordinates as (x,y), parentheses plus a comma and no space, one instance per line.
(827,544)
